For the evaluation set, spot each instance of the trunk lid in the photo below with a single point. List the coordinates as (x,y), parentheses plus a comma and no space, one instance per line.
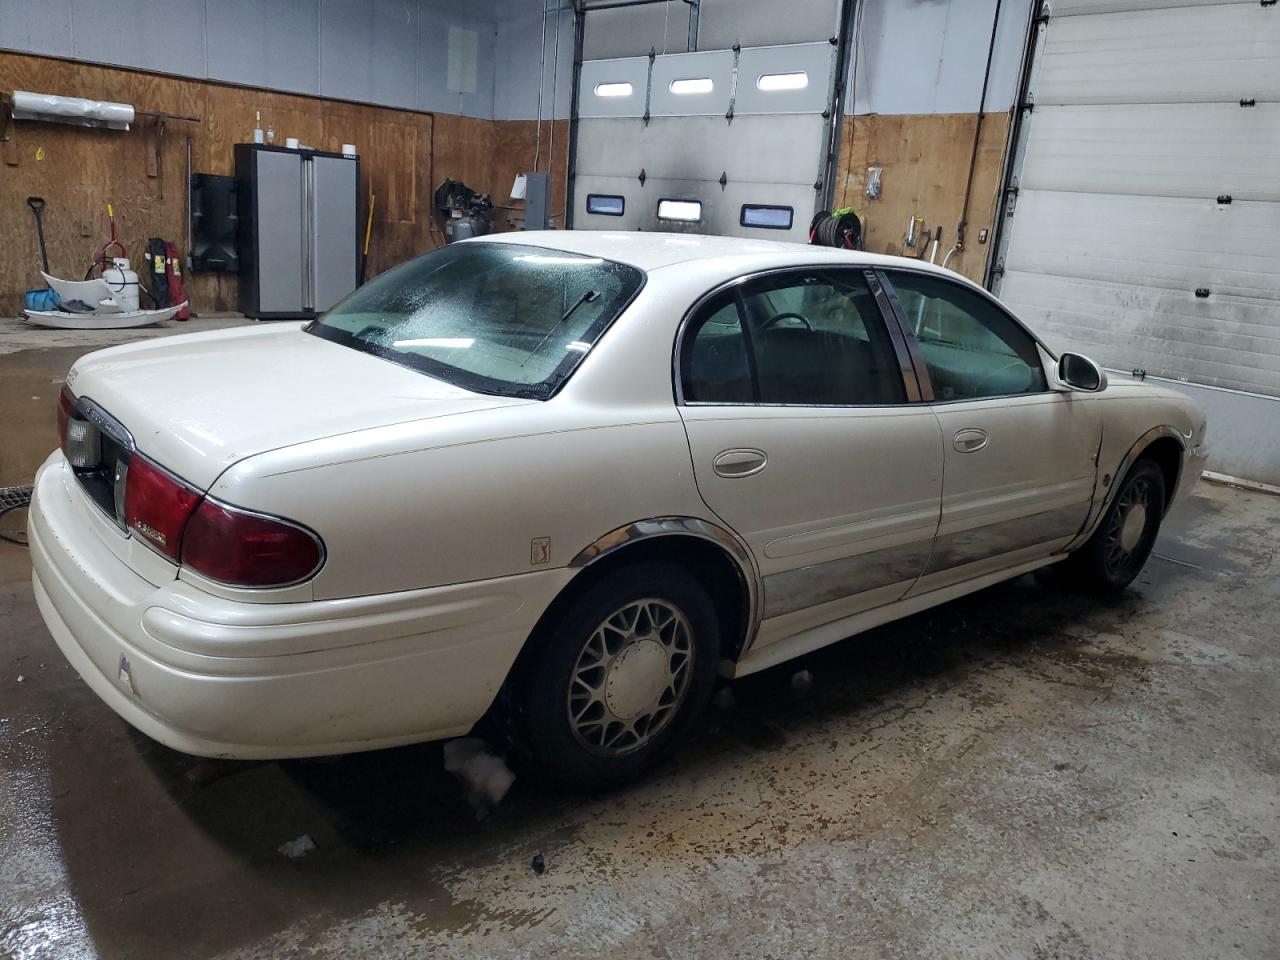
(197,404)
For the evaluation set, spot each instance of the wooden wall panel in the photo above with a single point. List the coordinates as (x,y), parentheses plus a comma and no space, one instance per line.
(404,156)
(515,146)
(925,162)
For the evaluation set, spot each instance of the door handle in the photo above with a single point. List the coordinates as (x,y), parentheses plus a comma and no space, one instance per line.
(740,463)
(970,440)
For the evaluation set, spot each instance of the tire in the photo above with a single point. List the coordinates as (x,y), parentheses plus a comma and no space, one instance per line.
(1115,554)
(608,695)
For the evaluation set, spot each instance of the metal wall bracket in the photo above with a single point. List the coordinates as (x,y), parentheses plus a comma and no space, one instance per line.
(642,176)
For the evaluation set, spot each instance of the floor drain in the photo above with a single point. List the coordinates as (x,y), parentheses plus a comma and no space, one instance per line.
(13,498)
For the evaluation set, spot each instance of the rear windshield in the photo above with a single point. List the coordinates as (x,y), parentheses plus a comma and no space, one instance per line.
(497,318)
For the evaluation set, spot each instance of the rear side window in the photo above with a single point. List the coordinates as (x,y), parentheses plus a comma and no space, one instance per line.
(812,339)
(972,348)
(715,367)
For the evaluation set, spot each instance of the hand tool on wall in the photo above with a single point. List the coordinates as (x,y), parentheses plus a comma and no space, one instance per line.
(37,209)
(368,231)
(44,298)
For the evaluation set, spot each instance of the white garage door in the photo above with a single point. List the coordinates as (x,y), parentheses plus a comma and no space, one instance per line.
(719,141)
(1145,228)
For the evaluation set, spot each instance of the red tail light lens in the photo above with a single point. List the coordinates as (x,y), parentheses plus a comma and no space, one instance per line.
(66,404)
(157,506)
(248,549)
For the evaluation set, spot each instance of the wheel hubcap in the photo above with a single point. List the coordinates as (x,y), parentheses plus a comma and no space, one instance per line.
(630,677)
(1135,522)
(1127,526)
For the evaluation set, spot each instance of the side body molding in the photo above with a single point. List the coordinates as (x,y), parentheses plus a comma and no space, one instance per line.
(653,527)
(1102,504)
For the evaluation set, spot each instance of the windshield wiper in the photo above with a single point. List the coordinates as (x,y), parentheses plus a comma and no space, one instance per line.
(589,297)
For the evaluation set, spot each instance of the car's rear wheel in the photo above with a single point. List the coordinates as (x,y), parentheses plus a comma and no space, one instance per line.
(1115,554)
(620,676)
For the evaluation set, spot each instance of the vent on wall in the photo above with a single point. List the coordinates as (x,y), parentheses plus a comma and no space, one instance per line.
(690,85)
(688,211)
(771,82)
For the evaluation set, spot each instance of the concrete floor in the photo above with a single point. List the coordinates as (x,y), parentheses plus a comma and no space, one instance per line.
(1024,773)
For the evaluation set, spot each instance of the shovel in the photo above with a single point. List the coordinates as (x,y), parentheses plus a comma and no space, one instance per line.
(44,299)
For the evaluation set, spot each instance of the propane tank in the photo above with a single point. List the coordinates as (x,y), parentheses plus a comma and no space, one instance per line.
(123,283)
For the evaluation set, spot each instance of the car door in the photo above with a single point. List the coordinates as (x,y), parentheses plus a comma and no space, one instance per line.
(1019,457)
(795,394)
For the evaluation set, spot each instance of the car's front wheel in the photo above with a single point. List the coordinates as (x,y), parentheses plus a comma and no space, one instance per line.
(1111,559)
(620,676)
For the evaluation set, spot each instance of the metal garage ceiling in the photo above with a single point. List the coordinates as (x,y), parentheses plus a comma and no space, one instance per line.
(1144,227)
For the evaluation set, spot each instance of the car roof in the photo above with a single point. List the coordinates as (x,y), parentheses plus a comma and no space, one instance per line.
(653,250)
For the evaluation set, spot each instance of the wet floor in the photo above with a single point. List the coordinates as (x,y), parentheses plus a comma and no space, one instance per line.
(1022,773)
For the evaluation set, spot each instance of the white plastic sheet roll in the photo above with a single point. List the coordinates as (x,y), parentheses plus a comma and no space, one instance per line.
(48,106)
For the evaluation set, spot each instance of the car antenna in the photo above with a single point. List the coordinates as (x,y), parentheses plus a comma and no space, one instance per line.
(589,297)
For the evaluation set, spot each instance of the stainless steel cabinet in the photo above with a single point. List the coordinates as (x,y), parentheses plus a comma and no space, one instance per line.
(298,230)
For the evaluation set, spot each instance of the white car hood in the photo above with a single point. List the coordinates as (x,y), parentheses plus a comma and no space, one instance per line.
(197,404)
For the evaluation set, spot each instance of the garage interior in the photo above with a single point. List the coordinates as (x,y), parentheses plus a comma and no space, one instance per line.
(1018,773)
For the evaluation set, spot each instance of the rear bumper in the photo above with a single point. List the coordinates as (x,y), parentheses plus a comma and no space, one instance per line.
(220,678)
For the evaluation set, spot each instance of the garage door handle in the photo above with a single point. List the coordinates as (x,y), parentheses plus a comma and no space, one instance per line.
(970,440)
(740,463)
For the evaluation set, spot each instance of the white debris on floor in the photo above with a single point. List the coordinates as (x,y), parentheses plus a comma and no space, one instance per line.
(801,683)
(484,775)
(298,847)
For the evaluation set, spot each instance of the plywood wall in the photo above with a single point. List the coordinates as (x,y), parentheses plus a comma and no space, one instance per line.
(924,161)
(404,156)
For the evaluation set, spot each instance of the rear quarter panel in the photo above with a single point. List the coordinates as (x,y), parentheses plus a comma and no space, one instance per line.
(464,498)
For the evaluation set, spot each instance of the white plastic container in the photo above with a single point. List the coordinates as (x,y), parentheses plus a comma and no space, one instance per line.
(124,285)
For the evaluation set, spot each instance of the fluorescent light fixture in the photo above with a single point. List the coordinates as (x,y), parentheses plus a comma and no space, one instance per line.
(613,89)
(770,82)
(692,85)
(554,261)
(578,345)
(689,211)
(456,343)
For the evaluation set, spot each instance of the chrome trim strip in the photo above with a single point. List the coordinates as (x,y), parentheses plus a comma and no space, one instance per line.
(652,527)
(105,422)
(1104,503)
(993,539)
(803,587)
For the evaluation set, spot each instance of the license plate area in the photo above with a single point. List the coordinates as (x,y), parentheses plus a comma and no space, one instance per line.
(98,449)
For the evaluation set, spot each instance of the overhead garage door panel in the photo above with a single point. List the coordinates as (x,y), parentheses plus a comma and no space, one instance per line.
(1201,54)
(1171,150)
(1069,8)
(1168,242)
(721,209)
(613,88)
(1148,171)
(1231,342)
(701,148)
(809,64)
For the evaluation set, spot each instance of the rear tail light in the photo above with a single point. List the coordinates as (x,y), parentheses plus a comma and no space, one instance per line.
(224,543)
(246,549)
(157,506)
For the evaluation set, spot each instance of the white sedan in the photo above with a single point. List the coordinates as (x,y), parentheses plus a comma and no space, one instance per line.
(565,480)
